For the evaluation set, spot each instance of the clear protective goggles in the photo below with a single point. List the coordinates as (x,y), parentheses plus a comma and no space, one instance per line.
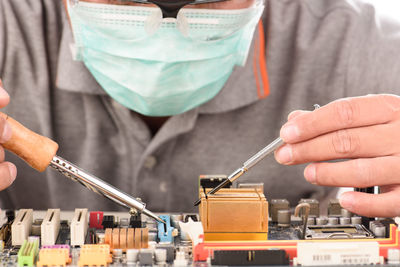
(200,20)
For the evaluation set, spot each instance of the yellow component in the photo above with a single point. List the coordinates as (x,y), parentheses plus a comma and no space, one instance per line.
(53,257)
(95,255)
(235,236)
(234,214)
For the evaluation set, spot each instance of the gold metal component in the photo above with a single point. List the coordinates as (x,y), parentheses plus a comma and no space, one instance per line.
(234,213)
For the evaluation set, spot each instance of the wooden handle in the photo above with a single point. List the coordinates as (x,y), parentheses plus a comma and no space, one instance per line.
(36,150)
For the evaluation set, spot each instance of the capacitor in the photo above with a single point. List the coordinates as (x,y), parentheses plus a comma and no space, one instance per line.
(161,256)
(311,221)
(356,220)
(283,218)
(332,220)
(321,220)
(117,255)
(132,256)
(344,220)
(345,213)
(380,230)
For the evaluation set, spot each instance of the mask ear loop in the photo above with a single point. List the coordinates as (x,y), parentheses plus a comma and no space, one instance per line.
(153,22)
(182,23)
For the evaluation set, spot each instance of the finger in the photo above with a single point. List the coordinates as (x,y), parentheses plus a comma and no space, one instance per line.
(296,113)
(342,114)
(5,130)
(372,205)
(4,96)
(8,173)
(2,154)
(365,142)
(355,173)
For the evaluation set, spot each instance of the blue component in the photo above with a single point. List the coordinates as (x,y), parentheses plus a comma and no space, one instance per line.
(165,230)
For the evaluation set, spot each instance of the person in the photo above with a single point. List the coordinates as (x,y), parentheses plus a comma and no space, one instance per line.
(150,104)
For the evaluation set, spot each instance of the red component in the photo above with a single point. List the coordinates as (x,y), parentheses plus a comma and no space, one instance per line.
(95,219)
(206,248)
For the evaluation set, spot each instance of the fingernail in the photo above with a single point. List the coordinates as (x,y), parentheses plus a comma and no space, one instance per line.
(346,201)
(284,155)
(289,132)
(310,174)
(13,172)
(7,132)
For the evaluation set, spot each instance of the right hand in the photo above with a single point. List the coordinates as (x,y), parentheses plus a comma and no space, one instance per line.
(8,171)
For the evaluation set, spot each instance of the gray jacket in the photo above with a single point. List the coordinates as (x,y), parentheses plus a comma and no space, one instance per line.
(317,51)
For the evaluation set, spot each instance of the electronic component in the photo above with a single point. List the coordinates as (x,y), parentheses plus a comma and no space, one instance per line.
(275,205)
(50,227)
(235,214)
(64,233)
(284,218)
(27,253)
(337,232)
(108,222)
(145,257)
(314,206)
(95,255)
(79,226)
(211,181)
(334,208)
(165,230)
(170,250)
(132,256)
(160,256)
(361,253)
(96,219)
(53,256)
(250,257)
(21,227)
(127,238)
(135,221)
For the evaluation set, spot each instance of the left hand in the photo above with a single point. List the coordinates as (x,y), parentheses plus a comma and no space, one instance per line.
(365,130)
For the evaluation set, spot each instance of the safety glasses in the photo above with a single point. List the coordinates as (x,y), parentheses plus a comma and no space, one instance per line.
(200,20)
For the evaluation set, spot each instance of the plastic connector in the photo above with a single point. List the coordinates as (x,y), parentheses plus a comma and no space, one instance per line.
(50,227)
(165,230)
(28,252)
(95,219)
(21,227)
(95,255)
(79,226)
(54,257)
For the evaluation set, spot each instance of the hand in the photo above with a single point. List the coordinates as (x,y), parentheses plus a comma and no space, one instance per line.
(8,171)
(365,130)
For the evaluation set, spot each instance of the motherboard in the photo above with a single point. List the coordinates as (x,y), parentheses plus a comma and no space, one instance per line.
(238,226)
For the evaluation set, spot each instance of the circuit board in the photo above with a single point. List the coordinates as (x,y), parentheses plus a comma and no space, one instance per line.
(97,238)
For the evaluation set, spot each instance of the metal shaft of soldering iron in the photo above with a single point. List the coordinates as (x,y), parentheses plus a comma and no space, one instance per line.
(249,164)
(246,166)
(99,186)
(40,152)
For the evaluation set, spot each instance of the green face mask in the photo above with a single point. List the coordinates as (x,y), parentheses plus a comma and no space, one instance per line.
(179,66)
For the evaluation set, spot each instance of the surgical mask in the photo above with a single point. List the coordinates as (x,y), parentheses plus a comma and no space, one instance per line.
(156,66)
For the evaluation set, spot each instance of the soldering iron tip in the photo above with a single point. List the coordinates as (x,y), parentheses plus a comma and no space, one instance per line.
(197,202)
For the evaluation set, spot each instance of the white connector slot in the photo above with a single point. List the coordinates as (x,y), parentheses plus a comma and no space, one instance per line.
(338,253)
(79,226)
(21,227)
(50,227)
